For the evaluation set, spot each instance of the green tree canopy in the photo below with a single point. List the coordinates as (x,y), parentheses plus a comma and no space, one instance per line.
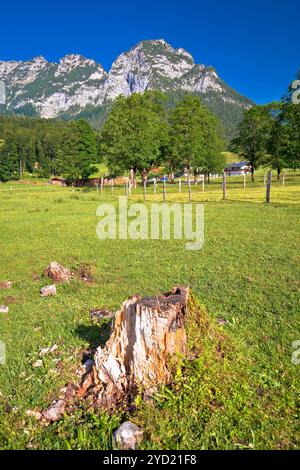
(135,132)
(77,151)
(253,135)
(195,137)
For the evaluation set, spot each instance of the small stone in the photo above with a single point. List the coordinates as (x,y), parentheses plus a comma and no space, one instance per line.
(45,351)
(4,309)
(55,412)
(57,272)
(6,284)
(38,363)
(127,436)
(100,313)
(89,365)
(34,414)
(48,290)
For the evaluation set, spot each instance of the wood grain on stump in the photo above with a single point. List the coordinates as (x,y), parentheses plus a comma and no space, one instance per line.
(146,332)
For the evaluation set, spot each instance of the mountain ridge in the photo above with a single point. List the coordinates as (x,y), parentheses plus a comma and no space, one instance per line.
(77,85)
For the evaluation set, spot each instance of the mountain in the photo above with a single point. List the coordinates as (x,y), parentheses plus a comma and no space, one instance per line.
(80,87)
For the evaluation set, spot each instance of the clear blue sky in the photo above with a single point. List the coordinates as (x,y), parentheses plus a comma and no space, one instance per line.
(253,44)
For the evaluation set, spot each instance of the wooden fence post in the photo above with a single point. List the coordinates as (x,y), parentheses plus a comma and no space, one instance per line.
(144,190)
(189,187)
(283,179)
(179,185)
(224,186)
(203,182)
(101,186)
(165,189)
(265,178)
(244,182)
(268,192)
(154,185)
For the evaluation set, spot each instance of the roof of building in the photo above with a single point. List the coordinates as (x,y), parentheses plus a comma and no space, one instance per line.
(237,165)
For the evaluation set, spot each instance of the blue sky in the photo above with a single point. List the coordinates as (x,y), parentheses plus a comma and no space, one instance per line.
(254,45)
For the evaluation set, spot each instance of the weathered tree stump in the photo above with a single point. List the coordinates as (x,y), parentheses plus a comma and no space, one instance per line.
(146,332)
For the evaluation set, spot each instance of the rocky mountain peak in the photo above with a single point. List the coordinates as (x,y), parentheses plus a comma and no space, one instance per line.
(39,59)
(77,83)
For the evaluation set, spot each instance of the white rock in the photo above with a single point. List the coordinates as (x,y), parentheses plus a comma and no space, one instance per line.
(45,351)
(38,363)
(127,436)
(4,309)
(48,290)
(55,412)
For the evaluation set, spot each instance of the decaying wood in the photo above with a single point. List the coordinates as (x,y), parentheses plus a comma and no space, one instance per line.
(146,332)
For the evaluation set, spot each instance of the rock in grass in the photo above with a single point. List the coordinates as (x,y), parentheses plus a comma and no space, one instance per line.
(4,309)
(50,350)
(89,365)
(57,272)
(100,313)
(34,414)
(55,411)
(6,284)
(38,363)
(48,290)
(127,436)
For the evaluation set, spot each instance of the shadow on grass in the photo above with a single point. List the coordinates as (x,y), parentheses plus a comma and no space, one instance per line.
(95,335)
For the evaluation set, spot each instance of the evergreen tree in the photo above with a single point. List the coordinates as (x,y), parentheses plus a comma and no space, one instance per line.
(9,159)
(77,151)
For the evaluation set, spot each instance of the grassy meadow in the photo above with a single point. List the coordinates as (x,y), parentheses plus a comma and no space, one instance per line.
(241,389)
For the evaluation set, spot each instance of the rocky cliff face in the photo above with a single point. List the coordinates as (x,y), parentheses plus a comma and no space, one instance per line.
(38,87)
(49,89)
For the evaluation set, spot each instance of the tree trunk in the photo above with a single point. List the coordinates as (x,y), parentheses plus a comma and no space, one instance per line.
(278,173)
(252,173)
(132,178)
(144,174)
(146,332)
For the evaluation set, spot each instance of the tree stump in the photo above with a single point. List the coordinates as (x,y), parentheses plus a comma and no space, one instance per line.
(146,331)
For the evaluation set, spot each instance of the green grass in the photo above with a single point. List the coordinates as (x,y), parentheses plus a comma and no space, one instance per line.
(241,390)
